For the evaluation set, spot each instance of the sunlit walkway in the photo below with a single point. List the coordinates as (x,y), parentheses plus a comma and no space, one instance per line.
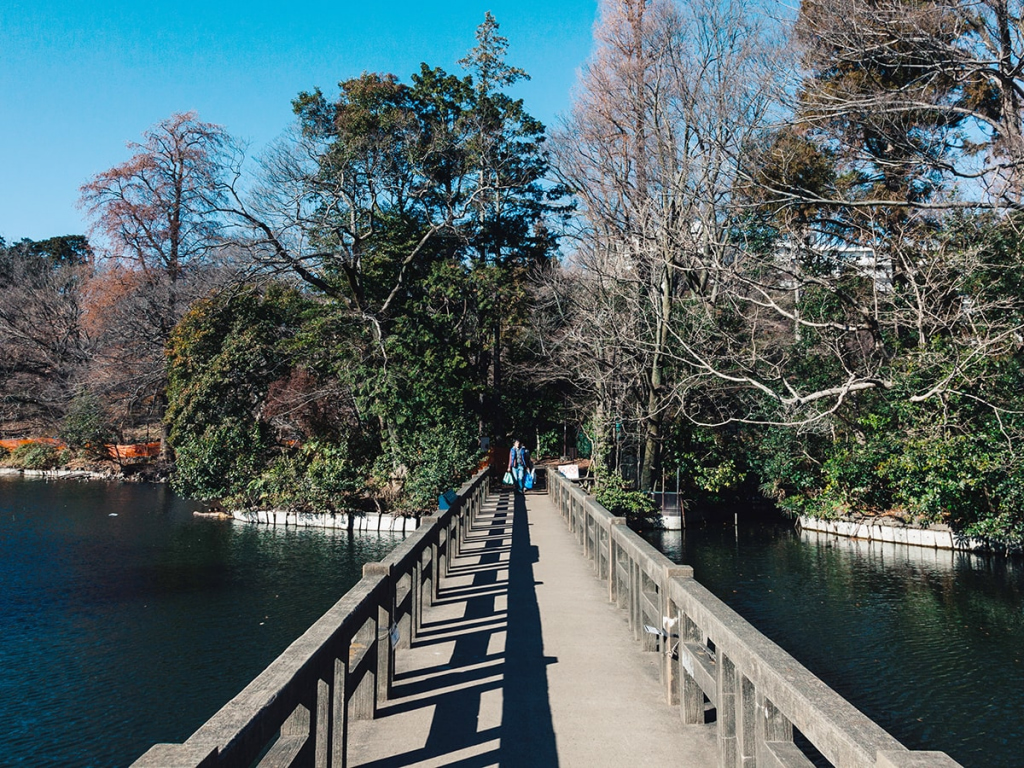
(523,662)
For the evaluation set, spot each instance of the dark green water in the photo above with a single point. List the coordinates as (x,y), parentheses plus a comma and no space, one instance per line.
(929,644)
(117,632)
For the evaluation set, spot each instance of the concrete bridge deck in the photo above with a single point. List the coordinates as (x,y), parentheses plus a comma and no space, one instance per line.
(522,661)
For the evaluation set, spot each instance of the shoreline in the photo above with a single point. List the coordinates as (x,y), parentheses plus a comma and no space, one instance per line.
(935,536)
(60,474)
(371,522)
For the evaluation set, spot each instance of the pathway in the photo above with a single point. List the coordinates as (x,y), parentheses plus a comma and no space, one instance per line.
(522,661)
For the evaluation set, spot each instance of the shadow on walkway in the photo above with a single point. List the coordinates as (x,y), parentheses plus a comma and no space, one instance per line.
(527,732)
(480,662)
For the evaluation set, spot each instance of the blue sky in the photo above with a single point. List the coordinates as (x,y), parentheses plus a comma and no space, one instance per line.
(80,79)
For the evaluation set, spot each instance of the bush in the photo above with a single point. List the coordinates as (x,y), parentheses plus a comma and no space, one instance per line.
(37,456)
(318,477)
(221,460)
(85,426)
(440,458)
(639,509)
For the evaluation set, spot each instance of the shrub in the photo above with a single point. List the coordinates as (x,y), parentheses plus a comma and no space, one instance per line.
(318,477)
(437,459)
(615,494)
(37,456)
(85,426)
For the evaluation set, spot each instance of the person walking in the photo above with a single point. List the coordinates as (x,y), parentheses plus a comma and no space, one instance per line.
(518,464)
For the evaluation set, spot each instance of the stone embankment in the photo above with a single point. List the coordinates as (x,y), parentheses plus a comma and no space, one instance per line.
(895,531)
(355,522)
(57,474)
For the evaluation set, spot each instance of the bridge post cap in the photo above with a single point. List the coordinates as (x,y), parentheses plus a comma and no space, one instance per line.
(679,572)
(376,569)
(906,759)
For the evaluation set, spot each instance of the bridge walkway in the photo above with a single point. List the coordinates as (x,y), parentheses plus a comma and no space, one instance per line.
(522,661)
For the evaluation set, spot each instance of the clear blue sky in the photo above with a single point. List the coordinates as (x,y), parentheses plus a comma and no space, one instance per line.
(79,79)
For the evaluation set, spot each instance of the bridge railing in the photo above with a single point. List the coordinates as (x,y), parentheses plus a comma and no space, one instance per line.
(713,659)
(297,711)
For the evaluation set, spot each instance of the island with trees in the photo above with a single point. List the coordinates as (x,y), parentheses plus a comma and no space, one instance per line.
(780,257)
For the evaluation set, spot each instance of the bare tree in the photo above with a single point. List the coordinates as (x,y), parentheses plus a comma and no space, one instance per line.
(156,224)
(653,149)
(44,347)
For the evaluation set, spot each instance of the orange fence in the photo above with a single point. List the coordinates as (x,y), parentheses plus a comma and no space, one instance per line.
(12,445)
(118,452)
(134,451)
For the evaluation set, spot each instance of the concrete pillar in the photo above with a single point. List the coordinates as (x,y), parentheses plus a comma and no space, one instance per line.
(339,715)
(691,696)
(406,620)
(362,667)
(298,727)
(669,658)
(746,722)
(385,619)
(322,755)
(728,752)
(772,726)
(613,571)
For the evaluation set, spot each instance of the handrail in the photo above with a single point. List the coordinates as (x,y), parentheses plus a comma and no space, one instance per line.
(712,657)
(296,712)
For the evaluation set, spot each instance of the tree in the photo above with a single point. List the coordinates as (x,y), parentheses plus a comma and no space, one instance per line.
(157,210)
(418,210)
(44,348)
(927,92)
(156,219)
(508,238)
(654,151)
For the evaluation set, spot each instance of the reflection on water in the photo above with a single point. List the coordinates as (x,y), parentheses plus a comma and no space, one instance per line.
(928,643)
(125,621)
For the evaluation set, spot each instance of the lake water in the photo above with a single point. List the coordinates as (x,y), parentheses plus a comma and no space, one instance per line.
(928,643)
(117,632)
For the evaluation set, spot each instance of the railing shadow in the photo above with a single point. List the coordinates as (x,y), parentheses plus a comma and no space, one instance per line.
(527,731)
(454,690)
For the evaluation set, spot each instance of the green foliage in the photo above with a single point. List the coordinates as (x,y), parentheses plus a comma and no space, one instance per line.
(436,459)
(318,477)
(37,456)
(222,358)
(549,445)
(617,496)
(712,464)
(85,426)
(220,460)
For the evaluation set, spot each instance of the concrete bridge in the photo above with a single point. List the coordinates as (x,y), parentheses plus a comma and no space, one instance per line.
(535,631)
